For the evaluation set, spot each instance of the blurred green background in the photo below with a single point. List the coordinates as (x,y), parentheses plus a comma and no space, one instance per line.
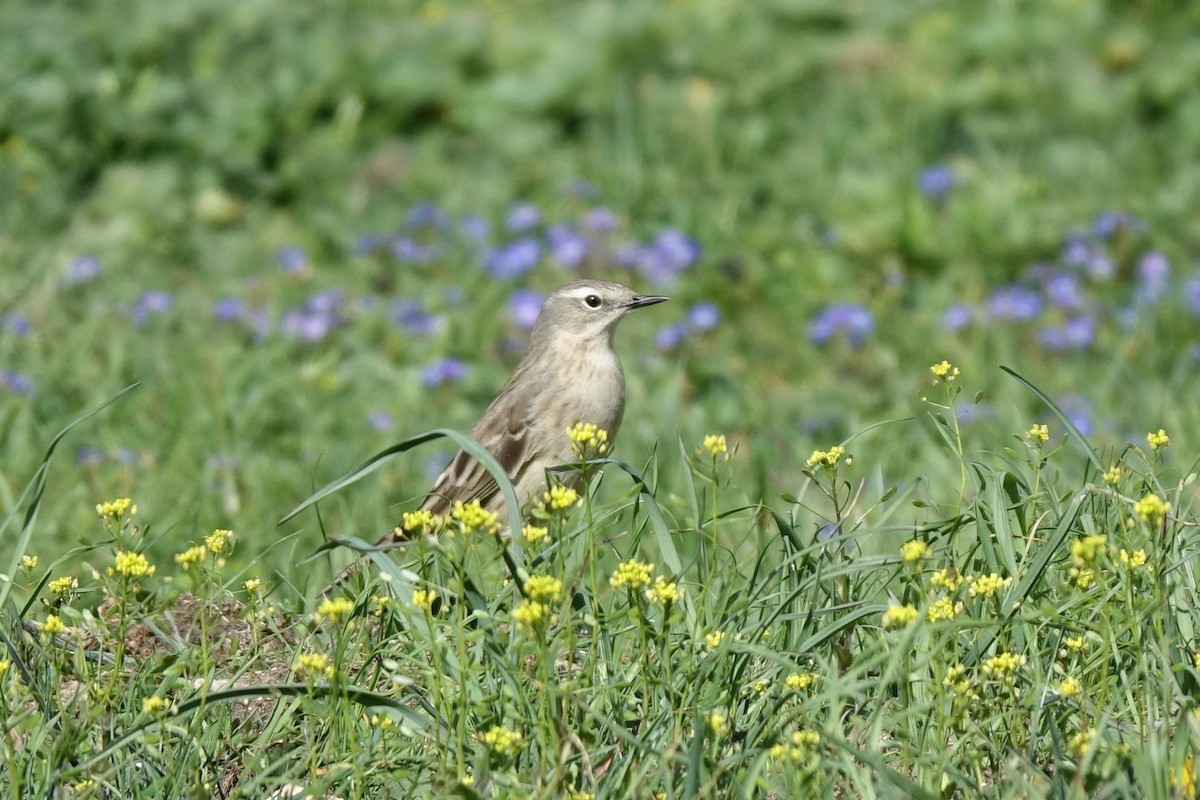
(280,216)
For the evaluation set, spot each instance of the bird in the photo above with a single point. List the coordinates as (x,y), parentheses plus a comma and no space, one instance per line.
(569,374)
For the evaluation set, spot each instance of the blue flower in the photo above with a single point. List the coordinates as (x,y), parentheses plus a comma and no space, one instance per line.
(1153,273)
(1063,291)
(1074,334)
(367,243)
(1077,409)
(600,220)
(406,249)
(514,259)
(15,382)
(1077,251)
(474,228)
(149,304)
(1108,223)
(88,456)
(307,325)
(124,455)
(380,420)
(957,317)
(523,217)
(581,188)
(524,305)
(412,318)
(670,336)
(851,320)
(81,270)
(446,370)
(1191,294)
(1014,302)
(17,324)
(569,248)
(936,181)
(293,259)
(229,309)
(426,215)
(703,317)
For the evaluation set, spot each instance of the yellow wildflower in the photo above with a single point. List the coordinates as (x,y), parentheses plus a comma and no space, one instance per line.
(1003,666)
(1152,509)
(947,579)
(799,681)
(1185,780)
(717,723)
(663,591)
(1081,577)
(217,541)
(1113,474)
(898,616)
(826,458)
(132,565)
(504,742)
(531,613)
(715,445)
(155,706)
(1158,440)
(543,587)
(956,680)
(380,603)
(587,440)
(192,555)
(422,599)
(5,665)
(801,742)
(63,585)
(560,498)
(633,574)
(1070,687)
(988,585)
(115,509)
(714,639)
(1086,548)
(474,517)
(315,665)
(913,551)
(944,371)
(29,563)
(1039,434)
(53,625)
(415,523)
(532,534)
(1075,643)
(252,586)
(333,609)
(943,609)
(1132,560)
(1080,742)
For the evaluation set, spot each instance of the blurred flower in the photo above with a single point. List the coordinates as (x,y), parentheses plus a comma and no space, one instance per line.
(581,188)
(124,455)
(956,317)
(149,304)
(1191,294)
(293,259)
(676,252)
(567,245)
(426,215)
(599,220)
(16,323)
(412,318)
(671,336)
(1100,267)
(81,270)
(366,243)
(1076,250)
(524,305)
(1077,409)
(380,420)
(513,259)
(435,464)
(405,248)
(229,309)
(853,321)
(1153,271)
(446,370)
(1062,290)
(307,325)
(523,217)
(1074,334)
(1014,302)
(474,228)
(88,456)
(703,317)
(936,181)
(15,382)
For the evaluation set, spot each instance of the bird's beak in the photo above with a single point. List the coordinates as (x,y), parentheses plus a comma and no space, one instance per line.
(640,300)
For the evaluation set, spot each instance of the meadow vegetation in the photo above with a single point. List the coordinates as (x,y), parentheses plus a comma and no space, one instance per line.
(903,505)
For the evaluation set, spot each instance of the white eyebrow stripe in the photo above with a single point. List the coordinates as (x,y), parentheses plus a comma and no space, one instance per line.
(582,292)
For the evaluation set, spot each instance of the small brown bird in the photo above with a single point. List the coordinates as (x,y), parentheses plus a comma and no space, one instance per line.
(569,375)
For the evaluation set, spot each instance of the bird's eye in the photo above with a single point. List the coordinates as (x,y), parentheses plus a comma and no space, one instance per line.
(592,301)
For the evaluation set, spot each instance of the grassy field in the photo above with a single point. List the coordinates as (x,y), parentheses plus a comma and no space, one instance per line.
(834,551)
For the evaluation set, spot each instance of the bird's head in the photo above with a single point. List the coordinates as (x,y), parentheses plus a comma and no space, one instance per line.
(587,310)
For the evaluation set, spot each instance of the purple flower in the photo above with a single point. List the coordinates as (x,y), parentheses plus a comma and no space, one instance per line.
(380,420)
(447,370)
(1014,302)
(956,317)
(1100,267)
(524,305)
(671,336)
(599,220)
(325,302)
(514,259)
(308,325)
(81,270)
(679,251)
(1153,272)
(523,217)
(406,249)
(1191,294)
(474,228)
(1108,223)
(1074,334)
(1076,250)
(703,317)
(936,181)
(426,215)
(15,382)
(1077,409)
(581,188)
(88,456)
(367,243)
(568,247)
(293,259)
(149,304)
(412,318)
(968,411)
(1062,290)
(124,455)
(853,321)
(17,324)
(229,309)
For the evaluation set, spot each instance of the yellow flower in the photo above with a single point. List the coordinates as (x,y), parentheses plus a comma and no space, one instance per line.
(85,785)
(579,794)
(1070,687)
(5,664)
(633,574)
(587,440)
(314,665)
(1158,440)
(63,585)
(217,541)
(532,534)
(801,742)
(1081,577)
(899,616)
(53,625)
(29,563)
(418,522)
(1086,548)
(531,613)
(943,609)
(1003,666)
(543,587)
(1075,643)
(1152,509)
(155,706)
(504,742)
(380,602)
(1196,659)
(252,586)
(799,681)
(1132,560)
(944,371)
(946,579)
(717,723)
(474,517)
(827,458)
(333,609)
(913,551)
(1186,778)
(132,565)
(715,445)
(422,599)
(1113,474)
(663,591)
(956,680)
(1080,742)
(560,498)
(115,509)
(988,585)
(1039,434)
(192,555)
(714,639)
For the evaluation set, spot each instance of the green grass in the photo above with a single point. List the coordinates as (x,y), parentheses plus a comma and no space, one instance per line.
(184,145)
